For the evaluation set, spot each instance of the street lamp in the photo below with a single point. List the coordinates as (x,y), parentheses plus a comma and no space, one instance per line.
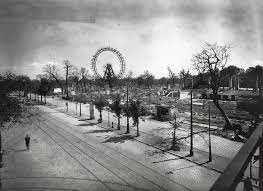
(191,125)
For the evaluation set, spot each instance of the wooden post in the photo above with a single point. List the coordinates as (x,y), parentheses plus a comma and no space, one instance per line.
(209,135)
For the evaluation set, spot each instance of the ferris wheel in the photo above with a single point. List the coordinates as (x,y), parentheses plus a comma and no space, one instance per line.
(108,70)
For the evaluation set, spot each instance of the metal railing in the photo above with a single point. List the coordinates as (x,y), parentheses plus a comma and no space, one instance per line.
(234,173)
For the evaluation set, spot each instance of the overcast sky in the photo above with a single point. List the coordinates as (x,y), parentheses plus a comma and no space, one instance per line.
(151,34)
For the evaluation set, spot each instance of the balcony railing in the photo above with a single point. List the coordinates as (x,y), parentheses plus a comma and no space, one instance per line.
(235,175)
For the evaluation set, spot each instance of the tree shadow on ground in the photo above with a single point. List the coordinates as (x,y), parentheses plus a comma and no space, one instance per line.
(151,153)
(119,139)
(86,119)
(20,150)
(99,131)
(87,124)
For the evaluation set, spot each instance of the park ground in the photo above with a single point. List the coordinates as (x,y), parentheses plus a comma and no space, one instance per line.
(69,152)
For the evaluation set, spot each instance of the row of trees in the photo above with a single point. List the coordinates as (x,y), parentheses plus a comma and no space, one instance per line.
(133,109)
(233,77)
(67,75)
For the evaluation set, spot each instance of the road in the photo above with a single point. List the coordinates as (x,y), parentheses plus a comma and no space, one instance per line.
(67,155)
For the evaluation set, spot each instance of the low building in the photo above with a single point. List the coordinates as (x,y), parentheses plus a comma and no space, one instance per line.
(57,91)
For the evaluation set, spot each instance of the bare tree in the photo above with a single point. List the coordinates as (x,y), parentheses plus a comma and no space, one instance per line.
(68,71)
(175,125)
(172,75)
(52,72)
(117,109)
(100,103)
(84,77)
(148,79)
(184,78)
(212,59)
(136,111)
(75,78)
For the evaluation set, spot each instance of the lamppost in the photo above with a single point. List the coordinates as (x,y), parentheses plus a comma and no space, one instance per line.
(191,125)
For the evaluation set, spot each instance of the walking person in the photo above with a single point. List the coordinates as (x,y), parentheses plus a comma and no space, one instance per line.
(27,141)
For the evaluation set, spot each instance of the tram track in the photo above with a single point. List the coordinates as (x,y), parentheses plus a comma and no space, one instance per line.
(91,147)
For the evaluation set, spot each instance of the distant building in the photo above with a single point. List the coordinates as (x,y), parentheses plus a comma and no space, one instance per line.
(57,91)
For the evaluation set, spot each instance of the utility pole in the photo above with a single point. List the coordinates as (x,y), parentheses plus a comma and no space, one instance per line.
(127,107)
(191,125)
(209,135)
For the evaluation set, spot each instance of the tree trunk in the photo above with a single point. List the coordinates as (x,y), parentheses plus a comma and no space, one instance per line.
(137,124)
(257,84)
(100,115)
(230,83)
(91,109)
(79,108)
(174,142)
(128,125)
(119,125)
(228,124)
(238,82)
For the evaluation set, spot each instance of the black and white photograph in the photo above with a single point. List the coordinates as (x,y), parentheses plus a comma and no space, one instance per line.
(131,95)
